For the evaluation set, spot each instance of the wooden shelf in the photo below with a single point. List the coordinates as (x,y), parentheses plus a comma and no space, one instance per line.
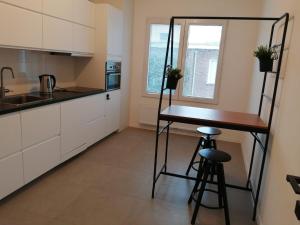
(214,117)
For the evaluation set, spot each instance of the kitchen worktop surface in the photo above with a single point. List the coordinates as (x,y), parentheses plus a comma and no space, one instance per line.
(47,99)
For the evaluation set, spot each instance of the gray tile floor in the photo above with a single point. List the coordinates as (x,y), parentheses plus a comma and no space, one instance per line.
(110,184)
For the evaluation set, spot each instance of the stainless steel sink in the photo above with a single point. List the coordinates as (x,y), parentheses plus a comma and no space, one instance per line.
(21,99)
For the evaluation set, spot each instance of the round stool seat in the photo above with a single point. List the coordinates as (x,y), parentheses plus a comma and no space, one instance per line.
(215,155)
(209,130)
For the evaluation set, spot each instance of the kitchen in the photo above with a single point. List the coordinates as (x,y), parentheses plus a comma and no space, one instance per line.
(77,116)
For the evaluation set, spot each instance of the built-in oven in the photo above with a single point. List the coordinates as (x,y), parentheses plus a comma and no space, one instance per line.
(112,75)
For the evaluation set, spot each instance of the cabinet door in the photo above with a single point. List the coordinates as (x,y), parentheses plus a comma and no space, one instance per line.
(35,5)
(20,27)
(72,125)
(57,34)
(40,124)
(84,12)
(112,115)
(10,135)
(40,158)
(83,39)
(11,174)
(114,32)
(59,8)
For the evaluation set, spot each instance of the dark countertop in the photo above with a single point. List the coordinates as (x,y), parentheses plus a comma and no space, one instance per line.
(57,96)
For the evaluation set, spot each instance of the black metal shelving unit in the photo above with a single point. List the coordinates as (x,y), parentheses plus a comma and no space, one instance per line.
(262,142)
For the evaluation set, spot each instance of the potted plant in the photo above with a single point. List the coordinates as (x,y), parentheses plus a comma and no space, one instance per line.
(173,75)
(266,57)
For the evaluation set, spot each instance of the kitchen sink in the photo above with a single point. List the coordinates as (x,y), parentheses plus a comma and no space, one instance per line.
(21,99)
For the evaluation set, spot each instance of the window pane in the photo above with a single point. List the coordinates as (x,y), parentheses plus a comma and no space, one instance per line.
(157,53)
(201,61)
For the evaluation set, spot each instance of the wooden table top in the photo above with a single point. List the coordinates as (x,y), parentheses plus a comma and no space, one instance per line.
(215,118)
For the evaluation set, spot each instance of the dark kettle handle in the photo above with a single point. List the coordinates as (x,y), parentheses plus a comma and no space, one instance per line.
(54,81)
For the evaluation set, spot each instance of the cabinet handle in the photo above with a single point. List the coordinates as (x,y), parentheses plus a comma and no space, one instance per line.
(107,97)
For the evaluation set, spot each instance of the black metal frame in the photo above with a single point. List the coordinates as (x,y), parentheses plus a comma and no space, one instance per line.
(262,143)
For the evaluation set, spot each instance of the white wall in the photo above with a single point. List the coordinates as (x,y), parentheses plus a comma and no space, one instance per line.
(28,65)
(277,198)
(237,61)
(126,62)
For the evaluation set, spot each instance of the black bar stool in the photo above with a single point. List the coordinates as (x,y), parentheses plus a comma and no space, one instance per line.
(205,141)
(211,158)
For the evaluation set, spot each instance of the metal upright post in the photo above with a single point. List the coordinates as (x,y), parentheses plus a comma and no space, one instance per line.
(259,111)
(159,109)
(286,16)
(170,95)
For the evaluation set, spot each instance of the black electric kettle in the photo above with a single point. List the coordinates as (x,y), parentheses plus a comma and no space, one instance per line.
(47,83)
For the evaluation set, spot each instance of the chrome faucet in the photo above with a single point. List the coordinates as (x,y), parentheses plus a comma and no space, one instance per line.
(2,88)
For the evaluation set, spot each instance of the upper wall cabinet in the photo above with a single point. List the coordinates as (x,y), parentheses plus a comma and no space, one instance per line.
(35,5)
(83,39)
(84,12)
(114,31)
(20,27)
(57,34)
(59,8)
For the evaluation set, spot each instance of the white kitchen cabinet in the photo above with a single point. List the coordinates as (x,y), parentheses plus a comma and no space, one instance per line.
(58,8)
(73,125)
(20,27)
(40,158)
(11,174)
(95,118)
(35,5)
(95,105)
(40,124)
(83,39)
(10,134)
(112,112)
(84,12)
(114,31)
(57,34)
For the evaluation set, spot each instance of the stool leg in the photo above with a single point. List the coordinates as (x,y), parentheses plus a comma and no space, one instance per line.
(194,156)
(224,194)
(219,180)
(202,165)
(214,143)
(200,195)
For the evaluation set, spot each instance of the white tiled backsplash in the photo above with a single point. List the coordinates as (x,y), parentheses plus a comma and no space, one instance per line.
(28,65)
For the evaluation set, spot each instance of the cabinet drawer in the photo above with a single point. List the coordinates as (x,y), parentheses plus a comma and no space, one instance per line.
(40,124)
(10,135)
(57,34)
(20,27)
(11,174)
(72,125)
(40,158)
(95,131)
(95,106)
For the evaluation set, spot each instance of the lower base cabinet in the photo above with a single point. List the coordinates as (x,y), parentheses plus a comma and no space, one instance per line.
(95,131)
(11,174)
(40,158)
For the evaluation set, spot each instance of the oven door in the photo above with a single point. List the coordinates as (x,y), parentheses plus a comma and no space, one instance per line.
(113,81)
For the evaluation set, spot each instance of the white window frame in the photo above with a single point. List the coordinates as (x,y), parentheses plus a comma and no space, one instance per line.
(182,56)
(146,60)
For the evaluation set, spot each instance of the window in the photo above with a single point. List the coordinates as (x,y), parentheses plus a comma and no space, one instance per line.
(157,52)
(197,51)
